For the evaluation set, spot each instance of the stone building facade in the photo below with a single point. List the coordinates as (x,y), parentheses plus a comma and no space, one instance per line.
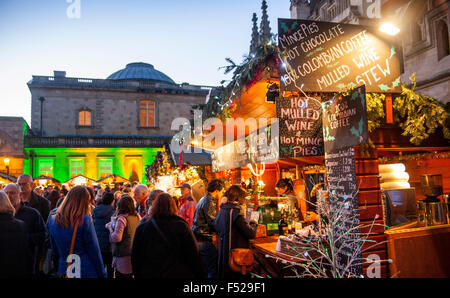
(97,127)
(425,40)
(424,33)
(12,154)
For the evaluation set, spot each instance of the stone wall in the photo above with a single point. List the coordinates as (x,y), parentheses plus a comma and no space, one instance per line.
(11,145)
(113,112)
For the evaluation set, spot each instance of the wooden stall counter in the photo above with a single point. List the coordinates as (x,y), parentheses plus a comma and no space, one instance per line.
(419,252)
(271,262)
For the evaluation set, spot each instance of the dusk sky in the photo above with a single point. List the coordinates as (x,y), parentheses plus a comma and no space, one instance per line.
(187,40)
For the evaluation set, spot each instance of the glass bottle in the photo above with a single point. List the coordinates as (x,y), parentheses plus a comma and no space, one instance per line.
(282,225)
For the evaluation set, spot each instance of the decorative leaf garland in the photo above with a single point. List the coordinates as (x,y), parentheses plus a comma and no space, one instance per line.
(418,115)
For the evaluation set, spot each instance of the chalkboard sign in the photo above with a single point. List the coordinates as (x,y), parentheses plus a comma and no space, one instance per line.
(300,126)
(331,57)
(342,190)
(254,148)
(345,120)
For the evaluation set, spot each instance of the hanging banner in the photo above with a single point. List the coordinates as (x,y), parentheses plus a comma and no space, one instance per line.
(300,126)
(258,147)
(343,196)
(332,57)
(345,120)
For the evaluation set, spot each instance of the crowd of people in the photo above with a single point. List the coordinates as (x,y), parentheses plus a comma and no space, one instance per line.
(129,231)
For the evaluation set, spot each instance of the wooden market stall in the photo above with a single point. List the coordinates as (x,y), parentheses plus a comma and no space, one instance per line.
(80,180)
(382,124)
(112,179)
(46,180)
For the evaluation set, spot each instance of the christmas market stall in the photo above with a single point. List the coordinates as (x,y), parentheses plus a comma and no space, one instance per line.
(172,168)
(112,179)
(80,180)
(367,155)
(44,181)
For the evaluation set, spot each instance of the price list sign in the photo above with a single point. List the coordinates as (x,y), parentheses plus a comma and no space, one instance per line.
(342,189)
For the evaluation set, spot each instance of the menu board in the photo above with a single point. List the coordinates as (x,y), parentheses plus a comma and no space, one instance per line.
(343,196)
(254,148)
(300,126)
(331,57)
(345,120)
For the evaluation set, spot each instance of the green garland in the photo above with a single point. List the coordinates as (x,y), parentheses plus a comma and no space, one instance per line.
(418,115)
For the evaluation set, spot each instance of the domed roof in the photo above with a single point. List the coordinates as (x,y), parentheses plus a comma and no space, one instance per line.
(139,71)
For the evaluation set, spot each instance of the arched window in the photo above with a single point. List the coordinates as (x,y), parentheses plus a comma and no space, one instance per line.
(147,113)
(443,47)
(84,118)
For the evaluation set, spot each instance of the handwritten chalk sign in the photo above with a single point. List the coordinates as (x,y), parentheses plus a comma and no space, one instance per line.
(331,57)
(342,189)
(300,126)
(345,120)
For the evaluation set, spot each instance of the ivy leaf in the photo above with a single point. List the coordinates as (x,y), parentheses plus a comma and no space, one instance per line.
(392,52)
(284,27)
(396,82)
(294,25)
(355,95)
(361,124)
(354,132)
(384,87)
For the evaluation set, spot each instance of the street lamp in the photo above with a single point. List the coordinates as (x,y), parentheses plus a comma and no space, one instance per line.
(6,161)
(389,28)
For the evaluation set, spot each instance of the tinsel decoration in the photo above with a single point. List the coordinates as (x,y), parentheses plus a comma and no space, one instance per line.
(414,157)
(318,252)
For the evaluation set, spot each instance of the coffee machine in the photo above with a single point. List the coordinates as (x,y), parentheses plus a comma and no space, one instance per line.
(431,211)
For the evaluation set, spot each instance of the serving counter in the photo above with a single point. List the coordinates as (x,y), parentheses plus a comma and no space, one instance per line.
(419,252)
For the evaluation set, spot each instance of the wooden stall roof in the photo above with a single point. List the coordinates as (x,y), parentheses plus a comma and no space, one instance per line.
(87,179)
(113,178)
(43,177)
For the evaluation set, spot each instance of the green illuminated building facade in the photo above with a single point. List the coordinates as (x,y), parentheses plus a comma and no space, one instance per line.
(99,127)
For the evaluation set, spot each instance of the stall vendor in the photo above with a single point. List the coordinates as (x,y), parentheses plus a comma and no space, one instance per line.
(285,188)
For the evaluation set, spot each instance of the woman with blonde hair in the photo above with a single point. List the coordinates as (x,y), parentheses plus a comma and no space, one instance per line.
(15,260)
(72,226)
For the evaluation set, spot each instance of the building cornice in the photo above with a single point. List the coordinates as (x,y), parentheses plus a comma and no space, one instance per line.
(97,141)
(112,85)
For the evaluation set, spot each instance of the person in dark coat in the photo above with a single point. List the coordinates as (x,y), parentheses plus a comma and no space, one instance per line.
(34,222)
(51,259)
(30,198)
(14,254)
(164,246)
(101,216)
(241,231)
(203,225)
(53,198)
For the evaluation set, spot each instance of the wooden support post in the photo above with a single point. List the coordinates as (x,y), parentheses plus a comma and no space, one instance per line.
(389,110)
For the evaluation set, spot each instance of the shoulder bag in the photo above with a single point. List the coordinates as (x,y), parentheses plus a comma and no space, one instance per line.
(72,245)
(239,259)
